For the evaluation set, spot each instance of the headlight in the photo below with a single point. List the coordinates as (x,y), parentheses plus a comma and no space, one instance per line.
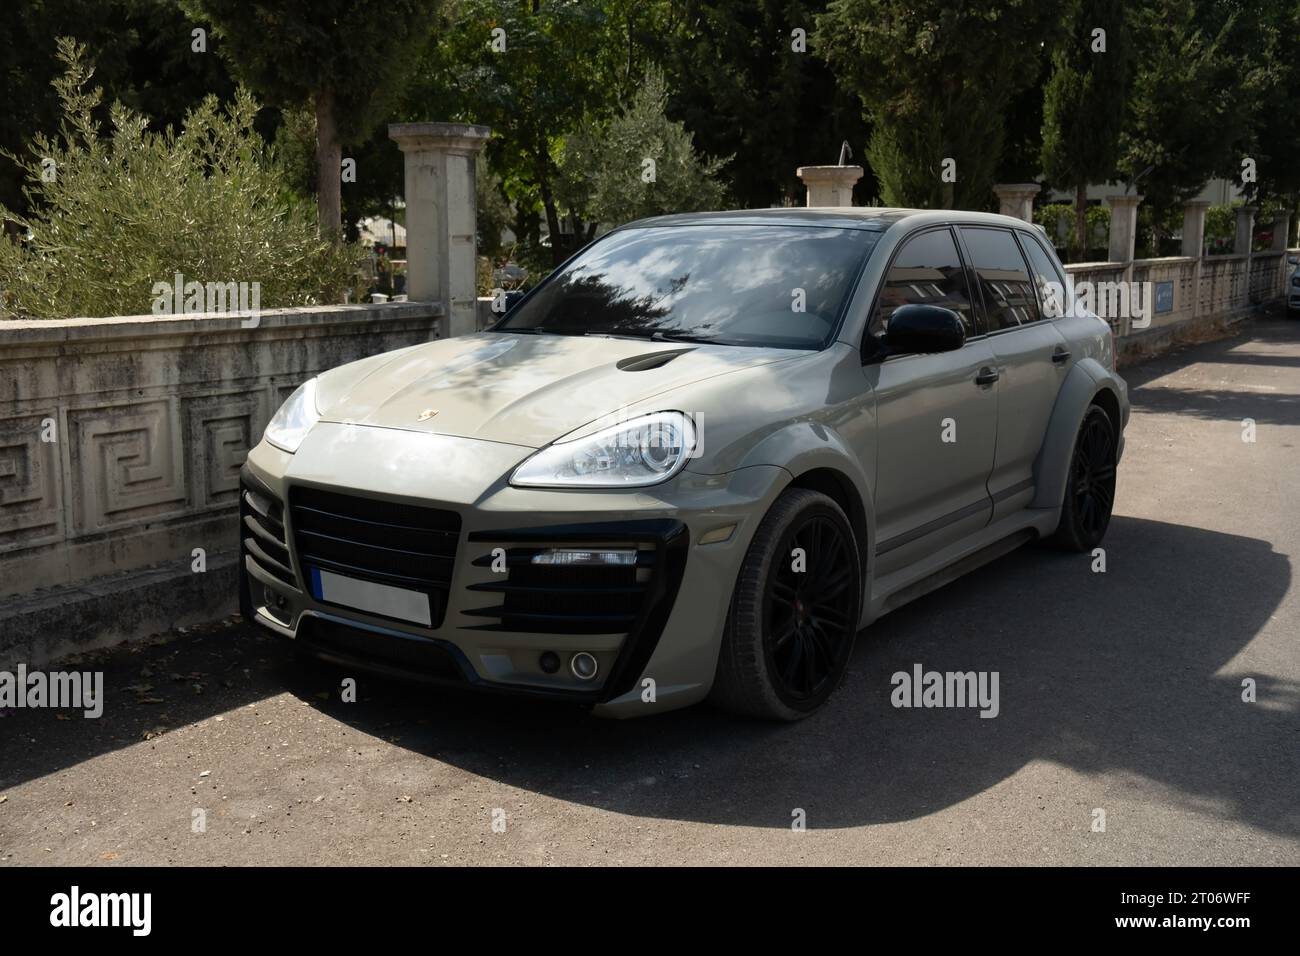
(643,451)
(289,426)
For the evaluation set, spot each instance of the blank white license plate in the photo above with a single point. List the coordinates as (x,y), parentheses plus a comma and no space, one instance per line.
(369,596)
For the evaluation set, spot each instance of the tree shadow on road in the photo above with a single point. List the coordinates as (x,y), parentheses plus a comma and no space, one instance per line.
(1257,348)
(1128,671)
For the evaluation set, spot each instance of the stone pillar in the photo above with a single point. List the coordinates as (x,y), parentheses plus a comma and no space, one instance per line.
(1245,230)
(1194,227)
(1123,227)
(441,218)
(1017,199)
(1194,244)
(830,185)
(1281,231)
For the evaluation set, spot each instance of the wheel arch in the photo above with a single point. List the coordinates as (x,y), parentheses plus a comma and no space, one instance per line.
(1088,383)
(818,458)
(839,487)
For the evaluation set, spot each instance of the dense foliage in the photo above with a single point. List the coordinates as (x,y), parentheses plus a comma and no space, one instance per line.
(348,59)
(938,101)
(1085,102)
(114,213)
(639,164)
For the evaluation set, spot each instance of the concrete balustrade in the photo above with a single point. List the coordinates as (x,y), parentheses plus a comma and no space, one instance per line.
(121,441)
(1198,295)
(1207,295)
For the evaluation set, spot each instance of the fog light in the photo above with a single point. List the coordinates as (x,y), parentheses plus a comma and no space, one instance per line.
(273,598)
(569,557)
(583,665)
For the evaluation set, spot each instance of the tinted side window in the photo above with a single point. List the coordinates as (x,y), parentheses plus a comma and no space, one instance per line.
(1047,277)
(926,271)
(1009,296)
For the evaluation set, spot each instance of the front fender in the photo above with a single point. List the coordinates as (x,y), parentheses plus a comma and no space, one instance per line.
(805,447)
(1082,385)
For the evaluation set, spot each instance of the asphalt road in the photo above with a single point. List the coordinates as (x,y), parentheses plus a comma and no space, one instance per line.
(1119,691)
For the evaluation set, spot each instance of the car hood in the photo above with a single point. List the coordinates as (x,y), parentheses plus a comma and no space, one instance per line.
(519,388)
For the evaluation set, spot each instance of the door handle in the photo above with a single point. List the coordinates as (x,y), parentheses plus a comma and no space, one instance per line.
(1061,355)
(987,376)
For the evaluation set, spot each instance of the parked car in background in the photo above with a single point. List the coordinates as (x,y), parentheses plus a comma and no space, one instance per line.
(692,463)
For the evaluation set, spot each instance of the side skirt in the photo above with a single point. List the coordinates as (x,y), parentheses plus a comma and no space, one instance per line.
(990,543)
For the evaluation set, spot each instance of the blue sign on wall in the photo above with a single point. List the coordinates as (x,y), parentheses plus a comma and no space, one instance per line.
(1164,297)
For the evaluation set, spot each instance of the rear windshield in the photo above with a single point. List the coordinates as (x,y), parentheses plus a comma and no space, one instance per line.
(774,286)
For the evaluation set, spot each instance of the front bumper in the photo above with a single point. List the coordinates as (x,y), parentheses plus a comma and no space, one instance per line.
(437,514)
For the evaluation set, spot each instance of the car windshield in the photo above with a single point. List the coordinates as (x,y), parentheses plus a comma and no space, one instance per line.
(773,285)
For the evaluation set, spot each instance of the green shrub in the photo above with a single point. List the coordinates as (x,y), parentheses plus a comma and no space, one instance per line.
(114,214)
(1220,228)
(604,172)
(1058,219)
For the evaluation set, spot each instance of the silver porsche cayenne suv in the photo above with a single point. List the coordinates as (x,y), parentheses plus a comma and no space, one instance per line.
(692,463)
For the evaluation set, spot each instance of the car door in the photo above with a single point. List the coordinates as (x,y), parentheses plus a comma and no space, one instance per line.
(1031,357)
(936,414)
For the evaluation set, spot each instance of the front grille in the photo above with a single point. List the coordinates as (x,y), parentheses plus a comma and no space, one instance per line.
(407,546)
(262,534)
(560,599)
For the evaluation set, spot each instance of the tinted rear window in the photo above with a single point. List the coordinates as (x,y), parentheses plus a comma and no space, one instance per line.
(1009,296)
(776,286)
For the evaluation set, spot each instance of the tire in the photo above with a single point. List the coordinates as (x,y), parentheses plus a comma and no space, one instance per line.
(789,632)
(1090,487)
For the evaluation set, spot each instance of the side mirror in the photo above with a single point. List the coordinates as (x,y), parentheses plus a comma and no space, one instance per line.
(924,328)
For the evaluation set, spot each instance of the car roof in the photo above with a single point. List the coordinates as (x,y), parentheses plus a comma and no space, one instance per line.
(872,218)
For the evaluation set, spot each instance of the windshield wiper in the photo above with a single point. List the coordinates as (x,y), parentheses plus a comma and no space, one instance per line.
(671,336)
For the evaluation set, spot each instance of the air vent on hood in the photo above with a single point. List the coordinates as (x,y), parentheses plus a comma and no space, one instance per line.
(643,363)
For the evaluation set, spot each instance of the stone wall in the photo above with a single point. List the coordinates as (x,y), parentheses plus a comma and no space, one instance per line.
(121,438)
(1208,295)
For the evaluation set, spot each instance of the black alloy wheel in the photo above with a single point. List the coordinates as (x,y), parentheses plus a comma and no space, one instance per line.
(1090,494)
(809,608)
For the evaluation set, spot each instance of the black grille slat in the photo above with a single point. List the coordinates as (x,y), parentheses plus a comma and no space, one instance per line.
(506,587)
(403,545)
(412,565)
(267,563)
(565,598)
(264,539)
(274,546)
(270,518)
(378,533)
(615,622)
(393,514)
(369,574)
